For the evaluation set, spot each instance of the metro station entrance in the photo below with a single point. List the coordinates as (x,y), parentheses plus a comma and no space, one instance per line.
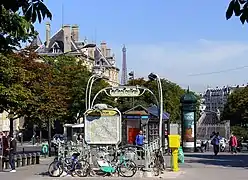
(141,118)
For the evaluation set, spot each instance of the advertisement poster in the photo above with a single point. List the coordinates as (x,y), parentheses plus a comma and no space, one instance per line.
(189,129)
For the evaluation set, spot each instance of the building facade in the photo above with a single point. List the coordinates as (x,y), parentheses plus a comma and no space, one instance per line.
(214,99)
(5,123)
(66,41)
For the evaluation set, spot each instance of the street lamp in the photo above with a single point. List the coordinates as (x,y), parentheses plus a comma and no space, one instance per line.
(131,77)
(90,82)
(153,77)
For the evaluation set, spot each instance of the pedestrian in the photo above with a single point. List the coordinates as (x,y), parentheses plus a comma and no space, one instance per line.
(234,144)
(12,152)
(139,141)
(215,141)
(5,145)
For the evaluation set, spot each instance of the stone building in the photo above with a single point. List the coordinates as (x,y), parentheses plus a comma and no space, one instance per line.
(66,40)
(5,123)
(216,98)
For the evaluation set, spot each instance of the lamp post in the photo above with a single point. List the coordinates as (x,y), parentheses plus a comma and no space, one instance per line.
(87,91)
(131,77)
(90,82)
(152,77)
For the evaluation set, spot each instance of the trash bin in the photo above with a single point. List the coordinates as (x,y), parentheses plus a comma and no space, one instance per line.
(180,155)
(24,159)
(37,158)
(33,158)
(44,149)
(18,160)
(29,159)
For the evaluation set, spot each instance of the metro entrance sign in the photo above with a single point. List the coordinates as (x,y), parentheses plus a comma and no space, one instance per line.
(125,91)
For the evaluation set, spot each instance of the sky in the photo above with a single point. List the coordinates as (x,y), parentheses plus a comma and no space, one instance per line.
(178,40)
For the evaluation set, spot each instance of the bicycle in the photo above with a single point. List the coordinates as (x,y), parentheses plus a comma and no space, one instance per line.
(70,165)
(158,163)
(121,162)
(117,165)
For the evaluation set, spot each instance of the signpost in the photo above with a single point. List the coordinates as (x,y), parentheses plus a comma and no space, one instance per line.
(125,91)
(103,127)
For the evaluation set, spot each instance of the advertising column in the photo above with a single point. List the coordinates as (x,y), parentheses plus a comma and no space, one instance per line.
(188,115)
(188,131)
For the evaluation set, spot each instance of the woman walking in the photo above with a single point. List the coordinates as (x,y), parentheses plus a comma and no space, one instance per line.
(234,144)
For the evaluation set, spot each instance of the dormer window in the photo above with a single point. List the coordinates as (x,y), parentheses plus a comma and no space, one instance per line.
(55,48)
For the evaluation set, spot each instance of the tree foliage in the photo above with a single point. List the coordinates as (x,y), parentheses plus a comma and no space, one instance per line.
(239,132)
(50,90)
(236,108)
(16,21)
(171,97)
(238,8)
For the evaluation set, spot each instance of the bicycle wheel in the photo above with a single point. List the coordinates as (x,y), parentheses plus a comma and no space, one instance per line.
(156,167)
(127,168)
(55,169)
(82,168)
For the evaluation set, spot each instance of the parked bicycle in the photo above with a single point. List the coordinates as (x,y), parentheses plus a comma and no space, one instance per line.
(70,165)
(119,165)
(158,163)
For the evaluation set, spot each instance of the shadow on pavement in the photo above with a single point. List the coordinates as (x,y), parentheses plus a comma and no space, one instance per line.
(225,160)
(43,174)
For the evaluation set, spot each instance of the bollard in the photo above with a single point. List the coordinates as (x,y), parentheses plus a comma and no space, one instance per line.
(33,158)
(6,163)
(1,163)
(29,159)
(24,159)
(15,160)
(18,160)
(37,158)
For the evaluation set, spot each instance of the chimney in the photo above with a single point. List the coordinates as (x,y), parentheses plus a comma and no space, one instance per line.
(75,32)
(48,34)
(108,52)
(104,48)
(67,38)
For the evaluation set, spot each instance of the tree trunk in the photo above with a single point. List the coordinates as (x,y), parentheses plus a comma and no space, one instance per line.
(11,127)
(49,137)
(40,136)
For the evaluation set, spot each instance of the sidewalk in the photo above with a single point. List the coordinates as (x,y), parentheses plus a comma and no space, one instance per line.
(28,172)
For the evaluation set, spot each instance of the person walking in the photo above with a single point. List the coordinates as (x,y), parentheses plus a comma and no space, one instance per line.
(139,141)
(234,144)
(12,152)
(215,141)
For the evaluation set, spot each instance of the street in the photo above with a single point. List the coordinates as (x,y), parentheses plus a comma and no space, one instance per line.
(224,166)
(197,166)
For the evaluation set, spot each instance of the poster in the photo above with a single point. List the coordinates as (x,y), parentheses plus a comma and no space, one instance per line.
(188,118)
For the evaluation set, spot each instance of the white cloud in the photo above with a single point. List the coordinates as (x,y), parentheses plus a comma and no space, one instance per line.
(177,60)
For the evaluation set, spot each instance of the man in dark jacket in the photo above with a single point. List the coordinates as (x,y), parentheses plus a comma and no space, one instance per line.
(12,152)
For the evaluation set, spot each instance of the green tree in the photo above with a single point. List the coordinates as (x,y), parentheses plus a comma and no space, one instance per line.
(171,97)
(239,132)
(16,21)
(238,8)
(13,94)
(236,109)
(48,100)
(71,75)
